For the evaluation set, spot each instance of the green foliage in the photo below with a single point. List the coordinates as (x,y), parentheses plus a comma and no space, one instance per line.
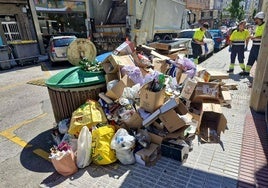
(237,12)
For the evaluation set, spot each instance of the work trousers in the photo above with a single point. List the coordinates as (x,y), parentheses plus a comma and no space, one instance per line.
(239,51)
(253,55)
(197,50)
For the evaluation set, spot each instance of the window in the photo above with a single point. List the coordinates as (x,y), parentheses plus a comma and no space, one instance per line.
(11,30)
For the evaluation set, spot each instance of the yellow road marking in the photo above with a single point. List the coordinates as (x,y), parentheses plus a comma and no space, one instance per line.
(9,133)
(42,153)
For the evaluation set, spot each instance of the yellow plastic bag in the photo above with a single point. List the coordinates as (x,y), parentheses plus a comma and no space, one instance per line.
(102,154)
(88,114)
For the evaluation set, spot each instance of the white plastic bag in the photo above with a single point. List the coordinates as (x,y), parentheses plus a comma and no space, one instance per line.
(123,144)
(83,153)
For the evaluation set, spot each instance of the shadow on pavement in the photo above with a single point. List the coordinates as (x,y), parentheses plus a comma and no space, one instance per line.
(34,162)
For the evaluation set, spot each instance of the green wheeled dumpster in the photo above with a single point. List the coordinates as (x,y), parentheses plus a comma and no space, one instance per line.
(71,88)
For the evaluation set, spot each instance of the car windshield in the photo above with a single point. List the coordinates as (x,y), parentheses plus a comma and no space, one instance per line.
(62,42)
(186,34)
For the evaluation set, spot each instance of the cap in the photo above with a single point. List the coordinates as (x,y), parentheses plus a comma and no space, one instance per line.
(205,25)
(259,15)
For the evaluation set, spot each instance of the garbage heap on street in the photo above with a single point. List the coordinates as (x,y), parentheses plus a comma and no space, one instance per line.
(156,102)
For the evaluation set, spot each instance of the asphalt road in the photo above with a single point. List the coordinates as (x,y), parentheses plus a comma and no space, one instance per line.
(26,120)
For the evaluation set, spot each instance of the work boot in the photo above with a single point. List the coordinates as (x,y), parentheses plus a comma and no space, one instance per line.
(230,71)
(243,73)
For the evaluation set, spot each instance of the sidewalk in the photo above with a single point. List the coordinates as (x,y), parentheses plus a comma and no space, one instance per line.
(240,162)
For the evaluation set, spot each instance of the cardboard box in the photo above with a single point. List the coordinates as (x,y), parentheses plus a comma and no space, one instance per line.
(149,100)
(134,122)
(225,97)
(205,90)
(181,77)
(117,91)
(111,76)
(148,156)
(210,75)
(188,89)
(113,63)
(156,139)
(212,122)
(174,150)
(160,65)
(125,48)
(181,133)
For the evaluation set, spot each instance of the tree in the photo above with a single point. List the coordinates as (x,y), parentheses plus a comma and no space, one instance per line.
(236,10)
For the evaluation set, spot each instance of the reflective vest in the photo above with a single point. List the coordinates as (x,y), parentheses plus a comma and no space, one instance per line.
(199,35)
(258,33)
(239,37)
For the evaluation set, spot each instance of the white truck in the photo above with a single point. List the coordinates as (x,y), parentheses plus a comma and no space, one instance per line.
(110,22)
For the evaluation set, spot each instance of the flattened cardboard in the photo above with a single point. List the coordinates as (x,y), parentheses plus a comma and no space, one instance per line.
(148,121)
(149,100)
(171,120)
(148,156)
(169,104)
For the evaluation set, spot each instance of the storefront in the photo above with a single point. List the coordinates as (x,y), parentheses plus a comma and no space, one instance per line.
(61,17)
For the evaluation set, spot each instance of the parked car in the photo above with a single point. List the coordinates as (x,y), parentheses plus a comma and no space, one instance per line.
(219,40)
(57,51)
(189,33)
(228,34)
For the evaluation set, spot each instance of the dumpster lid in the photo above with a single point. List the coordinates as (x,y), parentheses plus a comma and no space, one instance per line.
(75,77)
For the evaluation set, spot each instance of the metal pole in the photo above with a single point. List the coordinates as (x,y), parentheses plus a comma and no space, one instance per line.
(36,26)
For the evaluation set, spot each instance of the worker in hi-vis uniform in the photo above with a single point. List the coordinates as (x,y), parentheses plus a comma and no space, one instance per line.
(256,40)
(198,41)
(238,44)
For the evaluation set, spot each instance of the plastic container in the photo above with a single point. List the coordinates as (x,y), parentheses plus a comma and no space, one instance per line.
(71,88)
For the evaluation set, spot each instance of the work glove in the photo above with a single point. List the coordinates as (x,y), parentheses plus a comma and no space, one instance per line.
(230,48)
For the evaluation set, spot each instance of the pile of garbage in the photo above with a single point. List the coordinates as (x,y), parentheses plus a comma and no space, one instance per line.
(156,103)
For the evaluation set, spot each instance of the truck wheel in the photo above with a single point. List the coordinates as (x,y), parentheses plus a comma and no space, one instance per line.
(157,38)
(167,37)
